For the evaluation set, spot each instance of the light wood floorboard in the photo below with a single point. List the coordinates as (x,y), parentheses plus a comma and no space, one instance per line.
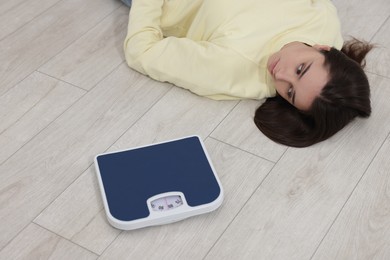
(88,60)
(380,56)
(362,19)
(30,107)
(362,229)
(45,36)
(239,130)
(66,95)
(35,242)
(16,13)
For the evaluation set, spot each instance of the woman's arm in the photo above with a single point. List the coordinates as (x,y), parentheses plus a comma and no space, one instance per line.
(203,67)
(143,30)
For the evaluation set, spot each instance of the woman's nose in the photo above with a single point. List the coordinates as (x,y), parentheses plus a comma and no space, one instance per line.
(284,75)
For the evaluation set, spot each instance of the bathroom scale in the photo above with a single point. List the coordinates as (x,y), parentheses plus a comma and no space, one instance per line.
(158,183)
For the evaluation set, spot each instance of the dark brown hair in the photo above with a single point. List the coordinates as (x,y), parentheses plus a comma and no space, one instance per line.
(344,97)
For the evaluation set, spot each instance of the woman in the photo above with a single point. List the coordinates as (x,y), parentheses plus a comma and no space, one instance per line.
(285,51)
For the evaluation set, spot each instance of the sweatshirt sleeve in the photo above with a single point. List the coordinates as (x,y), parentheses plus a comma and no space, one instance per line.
(202,67)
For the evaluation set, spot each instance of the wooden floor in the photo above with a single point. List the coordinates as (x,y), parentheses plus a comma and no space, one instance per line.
(66,95)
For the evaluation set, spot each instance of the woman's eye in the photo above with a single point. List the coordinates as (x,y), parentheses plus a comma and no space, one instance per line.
(299,69)
(289,92)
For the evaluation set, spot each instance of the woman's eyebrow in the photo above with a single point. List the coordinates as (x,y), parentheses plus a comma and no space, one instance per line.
(306,69)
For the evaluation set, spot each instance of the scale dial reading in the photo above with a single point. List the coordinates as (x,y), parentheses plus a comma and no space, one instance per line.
(167,203)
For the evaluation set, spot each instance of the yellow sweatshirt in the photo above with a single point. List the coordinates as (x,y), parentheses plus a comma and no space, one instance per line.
(220,48)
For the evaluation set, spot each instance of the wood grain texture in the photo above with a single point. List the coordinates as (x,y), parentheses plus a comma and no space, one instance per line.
(24,96)
(379,57)
(240,130)
(91,58)
(16,13)
(362,229)
(179,113)
(362,19)
(38,41)
(35,242)
(78,215)
(30,107)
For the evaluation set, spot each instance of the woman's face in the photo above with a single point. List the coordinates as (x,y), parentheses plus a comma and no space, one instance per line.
(299,73)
